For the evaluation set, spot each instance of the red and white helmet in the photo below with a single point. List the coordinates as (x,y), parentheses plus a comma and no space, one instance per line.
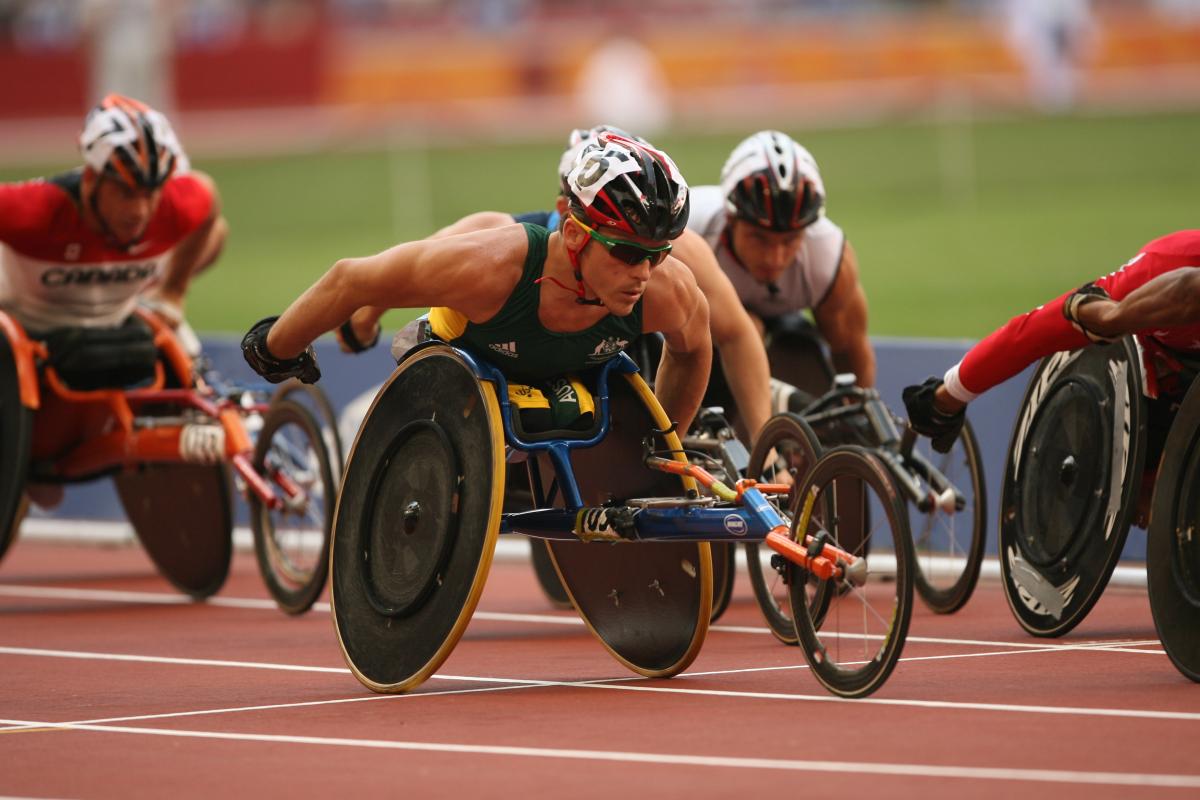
(131,142)
(618,183)
(773,182)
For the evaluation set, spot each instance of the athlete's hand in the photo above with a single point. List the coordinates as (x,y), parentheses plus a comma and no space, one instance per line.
(277,370)
(349,340)
(928,420)
(1073,310)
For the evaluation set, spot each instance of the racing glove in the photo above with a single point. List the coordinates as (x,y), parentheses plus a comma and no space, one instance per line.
(926,419)
(1085,294)
(277,370)
(350,343)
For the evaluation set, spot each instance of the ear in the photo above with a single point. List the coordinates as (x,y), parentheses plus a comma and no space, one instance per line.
(574,237)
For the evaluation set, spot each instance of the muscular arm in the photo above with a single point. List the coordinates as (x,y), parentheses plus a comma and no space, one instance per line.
(675,307)
(472,273)
(1169,300)
(842,319)
(737,339)
(365,320)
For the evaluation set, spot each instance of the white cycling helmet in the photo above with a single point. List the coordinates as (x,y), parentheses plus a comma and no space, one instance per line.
(773,182)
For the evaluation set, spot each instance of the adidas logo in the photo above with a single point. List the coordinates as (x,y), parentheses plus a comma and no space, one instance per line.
(504,348)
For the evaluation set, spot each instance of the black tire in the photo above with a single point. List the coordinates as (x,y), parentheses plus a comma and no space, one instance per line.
(1071,483)
(313,398)
(292,543)
(16,433)
(1173,549)
(948,548)
(865,626)
(791,434)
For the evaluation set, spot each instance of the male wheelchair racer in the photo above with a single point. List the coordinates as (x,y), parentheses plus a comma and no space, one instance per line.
(77,404)
(1091,455)
(628,526)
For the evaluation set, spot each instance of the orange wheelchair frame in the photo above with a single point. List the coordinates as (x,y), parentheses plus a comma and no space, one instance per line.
(79,435)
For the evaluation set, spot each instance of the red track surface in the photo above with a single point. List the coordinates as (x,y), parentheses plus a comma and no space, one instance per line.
(113,689)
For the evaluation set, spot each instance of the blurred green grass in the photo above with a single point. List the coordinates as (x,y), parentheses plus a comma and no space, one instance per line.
(958,225)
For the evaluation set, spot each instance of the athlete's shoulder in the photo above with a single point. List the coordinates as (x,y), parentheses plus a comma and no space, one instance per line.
(1179,243)
(31,212)
(188,200)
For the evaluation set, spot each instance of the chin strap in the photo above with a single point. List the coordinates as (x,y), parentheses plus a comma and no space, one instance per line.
(580,292)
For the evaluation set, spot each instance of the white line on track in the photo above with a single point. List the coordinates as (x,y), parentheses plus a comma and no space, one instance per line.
(163,598)
(672,759)
(624,684)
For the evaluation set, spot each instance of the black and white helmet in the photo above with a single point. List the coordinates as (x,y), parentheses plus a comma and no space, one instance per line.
(771,181)
(581,138)
(130,141)
(618,183)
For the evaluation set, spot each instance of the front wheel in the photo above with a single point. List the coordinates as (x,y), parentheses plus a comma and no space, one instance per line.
(949,546)
(292,542)
(865,620)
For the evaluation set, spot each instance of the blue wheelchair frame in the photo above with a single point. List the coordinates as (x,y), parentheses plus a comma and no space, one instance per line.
(741,516)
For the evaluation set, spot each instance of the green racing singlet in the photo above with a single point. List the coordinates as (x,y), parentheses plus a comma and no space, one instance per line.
(517,343)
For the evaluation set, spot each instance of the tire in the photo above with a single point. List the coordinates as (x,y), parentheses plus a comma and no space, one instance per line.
(864,627)
(948,548)
(789,433)
(16,435)
(292,543)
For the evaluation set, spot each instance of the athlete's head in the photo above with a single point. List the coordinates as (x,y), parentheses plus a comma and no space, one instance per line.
(129,151)
(773,191)
(631,200)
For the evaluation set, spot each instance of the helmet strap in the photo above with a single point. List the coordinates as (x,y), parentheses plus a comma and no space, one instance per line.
(580,291)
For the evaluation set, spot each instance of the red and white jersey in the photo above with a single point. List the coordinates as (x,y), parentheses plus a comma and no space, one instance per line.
(55,271)
(1044,330)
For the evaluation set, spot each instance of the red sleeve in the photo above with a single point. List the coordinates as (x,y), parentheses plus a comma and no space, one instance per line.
(189,201)
(26,210)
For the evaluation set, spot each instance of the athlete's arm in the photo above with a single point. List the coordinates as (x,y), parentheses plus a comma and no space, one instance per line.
(472,273)
(738,341)
(675,307)
(365,321)
(842,319)
(1170,300)
(196,252)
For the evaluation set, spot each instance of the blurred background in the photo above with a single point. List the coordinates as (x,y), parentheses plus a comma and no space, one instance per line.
(982,155)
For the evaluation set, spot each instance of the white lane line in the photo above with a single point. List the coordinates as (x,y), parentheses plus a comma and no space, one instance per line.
(1176,781)
(116,596)
(622,684)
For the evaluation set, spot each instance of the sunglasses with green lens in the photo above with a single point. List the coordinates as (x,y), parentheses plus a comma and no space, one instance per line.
(627,252)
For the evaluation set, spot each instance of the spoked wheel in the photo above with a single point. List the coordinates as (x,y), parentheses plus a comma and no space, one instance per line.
(948,545)
(292,542)
(316,401)
(866,619)
(784,453)
(1173,548)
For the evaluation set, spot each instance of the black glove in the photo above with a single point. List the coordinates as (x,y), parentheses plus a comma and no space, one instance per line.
(927,420)
(277,370)
(1085,294)
(350,343)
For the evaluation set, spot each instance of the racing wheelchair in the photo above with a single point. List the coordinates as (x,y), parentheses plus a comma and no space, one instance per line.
(1090,455)
(628,521)
(79,404)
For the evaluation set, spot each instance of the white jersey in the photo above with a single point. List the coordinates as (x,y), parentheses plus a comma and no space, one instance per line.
(803,285)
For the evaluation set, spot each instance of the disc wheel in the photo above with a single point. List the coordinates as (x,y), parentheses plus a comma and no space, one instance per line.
(16,432)
(865,621)
(292,542)
(949,545)
(1173,548)
(785,451)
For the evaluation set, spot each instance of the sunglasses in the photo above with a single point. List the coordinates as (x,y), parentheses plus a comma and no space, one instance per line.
(627,252)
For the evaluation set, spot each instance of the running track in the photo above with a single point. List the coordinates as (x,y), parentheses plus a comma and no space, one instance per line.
(116,688)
